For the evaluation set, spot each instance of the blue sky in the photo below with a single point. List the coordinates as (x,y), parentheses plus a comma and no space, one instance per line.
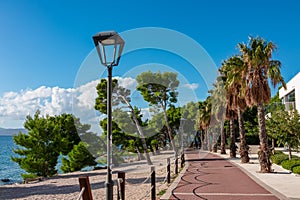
(43,44)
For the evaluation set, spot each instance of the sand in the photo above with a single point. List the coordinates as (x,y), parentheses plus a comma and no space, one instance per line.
(66,186)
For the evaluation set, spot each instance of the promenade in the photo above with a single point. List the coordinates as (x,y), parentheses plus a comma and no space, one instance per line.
(214,176)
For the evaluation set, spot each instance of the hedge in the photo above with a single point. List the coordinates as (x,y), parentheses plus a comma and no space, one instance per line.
(278,158)
(289,164)
(296,169)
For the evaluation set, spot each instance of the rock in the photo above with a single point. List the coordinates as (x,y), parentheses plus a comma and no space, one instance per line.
(5,180)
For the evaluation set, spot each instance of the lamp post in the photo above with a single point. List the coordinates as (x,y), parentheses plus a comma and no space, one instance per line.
(109,47)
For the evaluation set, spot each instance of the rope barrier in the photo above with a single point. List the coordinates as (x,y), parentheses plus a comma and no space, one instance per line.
(161,171)
(81,193)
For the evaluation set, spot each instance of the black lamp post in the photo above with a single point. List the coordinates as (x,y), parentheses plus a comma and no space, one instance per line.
(109,46)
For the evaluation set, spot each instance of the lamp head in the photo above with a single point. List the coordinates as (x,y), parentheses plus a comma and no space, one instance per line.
(109,47)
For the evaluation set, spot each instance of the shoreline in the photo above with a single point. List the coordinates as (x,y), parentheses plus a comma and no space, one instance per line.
(66,186)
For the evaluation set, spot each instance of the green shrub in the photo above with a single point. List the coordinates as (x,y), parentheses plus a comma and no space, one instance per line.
(277,158)
(296,169)
(289,164)
(28,176)
(278,152)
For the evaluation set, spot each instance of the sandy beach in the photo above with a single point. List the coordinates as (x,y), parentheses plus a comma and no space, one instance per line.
(66,186)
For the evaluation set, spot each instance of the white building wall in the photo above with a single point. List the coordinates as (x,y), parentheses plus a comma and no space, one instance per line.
(292,85)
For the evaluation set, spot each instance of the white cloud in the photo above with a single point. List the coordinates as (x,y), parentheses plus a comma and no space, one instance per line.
(15,106)
(127,82)
(191,86)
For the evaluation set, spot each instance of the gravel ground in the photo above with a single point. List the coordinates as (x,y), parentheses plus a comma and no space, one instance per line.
(66,186)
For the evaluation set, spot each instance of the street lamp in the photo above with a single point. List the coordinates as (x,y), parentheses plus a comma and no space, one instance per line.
(109,46)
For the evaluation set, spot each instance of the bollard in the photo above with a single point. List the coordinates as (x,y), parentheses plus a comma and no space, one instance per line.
(121,186)
(168,171)
(153,189)
(85,183)
(182,160)
(176,165)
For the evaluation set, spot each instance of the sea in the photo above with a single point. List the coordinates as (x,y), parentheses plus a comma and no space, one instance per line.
(8,169)
(11,170)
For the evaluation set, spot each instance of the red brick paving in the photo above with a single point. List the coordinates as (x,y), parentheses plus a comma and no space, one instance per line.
(209,176)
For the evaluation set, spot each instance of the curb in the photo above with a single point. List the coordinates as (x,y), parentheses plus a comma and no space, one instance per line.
(174,184)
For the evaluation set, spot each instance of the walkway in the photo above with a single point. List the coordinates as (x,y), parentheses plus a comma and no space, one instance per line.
(208,176)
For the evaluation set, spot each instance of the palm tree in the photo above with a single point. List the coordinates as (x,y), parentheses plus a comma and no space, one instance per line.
(218,110)
(259,68)
(230,112)
(204,121)
(234,86)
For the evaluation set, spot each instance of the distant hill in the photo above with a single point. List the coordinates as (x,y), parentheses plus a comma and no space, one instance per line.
(4,131)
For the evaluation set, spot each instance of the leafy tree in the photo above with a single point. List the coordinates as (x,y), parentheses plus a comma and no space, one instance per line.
(38,150)
(159,89)
(47,138)
(120,95)
(78,158)
(285,127)
(259,68)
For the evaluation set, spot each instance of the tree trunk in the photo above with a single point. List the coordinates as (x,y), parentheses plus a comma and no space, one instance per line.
(140,130)
(232,138)
(264,152)
(223,139)
(290,152)
(202,139)
(138,154)
(215,143)
(273,146)
(169,131)
(205,140)
(208,140)
(243,145)
(144,144)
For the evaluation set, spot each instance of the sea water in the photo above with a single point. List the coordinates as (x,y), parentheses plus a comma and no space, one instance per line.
(8,169)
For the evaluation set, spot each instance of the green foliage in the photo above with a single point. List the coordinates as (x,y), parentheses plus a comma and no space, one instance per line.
(158,88)
(284,126)
(28,176)
(101,100)
(78,158)
(39,151)
(289,164)
(296,169)
(277,158)
(251,126)
(47,138)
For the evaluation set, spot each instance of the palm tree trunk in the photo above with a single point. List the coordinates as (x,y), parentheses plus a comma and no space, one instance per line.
(215,143)
(243,145)
(208,140)
(232,137)
(264,152)
(223,139)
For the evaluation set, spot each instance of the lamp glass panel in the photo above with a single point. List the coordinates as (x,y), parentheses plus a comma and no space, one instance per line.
(108,54)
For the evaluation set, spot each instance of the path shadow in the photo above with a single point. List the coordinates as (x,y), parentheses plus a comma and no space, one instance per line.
(47,189)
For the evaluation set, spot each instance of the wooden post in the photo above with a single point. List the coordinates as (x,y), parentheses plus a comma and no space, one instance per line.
(85,183)
(176,165)
(182,160)
(168,171)
(153,189)
(121,190)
